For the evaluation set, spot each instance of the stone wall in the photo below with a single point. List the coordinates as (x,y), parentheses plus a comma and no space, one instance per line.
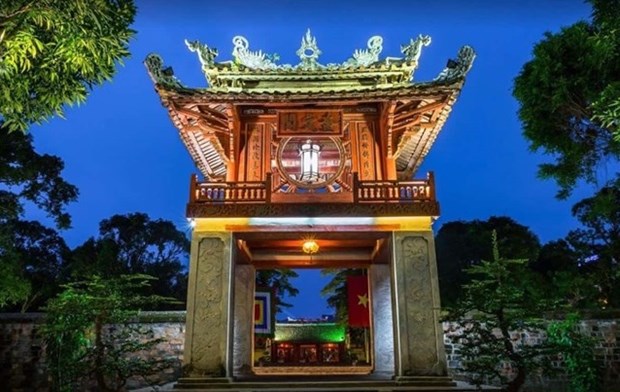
(22,366)
(22,352)
(607,352)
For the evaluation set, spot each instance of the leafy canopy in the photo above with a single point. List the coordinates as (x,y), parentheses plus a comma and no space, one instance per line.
(30,252)
(569,96)
(462,244)
(136,244)
(52,52)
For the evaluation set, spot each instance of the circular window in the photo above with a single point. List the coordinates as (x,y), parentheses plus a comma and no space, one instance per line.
(311,162)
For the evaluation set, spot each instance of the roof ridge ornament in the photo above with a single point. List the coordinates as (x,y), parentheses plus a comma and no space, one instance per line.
(255,60)
(366,57)
(160,74)
(458,68)
(413,50)
(206,55)
(308,53)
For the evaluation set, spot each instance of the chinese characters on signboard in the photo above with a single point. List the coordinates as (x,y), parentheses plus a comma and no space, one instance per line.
(310,122)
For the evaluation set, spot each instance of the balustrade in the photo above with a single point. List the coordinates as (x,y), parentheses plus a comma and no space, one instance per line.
(363,191)
(393,191)
(230,192)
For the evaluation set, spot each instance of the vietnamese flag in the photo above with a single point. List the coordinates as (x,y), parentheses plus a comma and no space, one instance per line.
(359,301)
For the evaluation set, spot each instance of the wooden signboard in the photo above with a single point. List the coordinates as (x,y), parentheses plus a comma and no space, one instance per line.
(310,123)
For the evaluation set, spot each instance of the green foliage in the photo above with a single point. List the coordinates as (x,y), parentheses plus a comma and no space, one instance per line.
(37,254)
(569,96)
(336,291)
(53,52)
(577,351)
(90,337)
(280,280)
(30,253)
(501,297)
(14,287)
(461,245)
(135,244)
(598,242)
(29,177)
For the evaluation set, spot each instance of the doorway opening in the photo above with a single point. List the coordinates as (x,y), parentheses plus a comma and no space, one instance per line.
(321,322)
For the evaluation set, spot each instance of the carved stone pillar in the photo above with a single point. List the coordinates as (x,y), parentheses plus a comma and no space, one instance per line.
(382,324)
(419,336)
(208,305)
(244,319)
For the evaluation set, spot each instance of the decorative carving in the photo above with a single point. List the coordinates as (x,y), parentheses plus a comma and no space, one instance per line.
(207,348)
(309,53)
(419,306)
(254,60)
(206,55)
(413,50)
(160,75)
(458,68)
(366,57)
(332,168)
(422,208)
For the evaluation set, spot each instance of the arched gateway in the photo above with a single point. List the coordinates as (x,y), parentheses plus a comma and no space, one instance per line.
(326,152)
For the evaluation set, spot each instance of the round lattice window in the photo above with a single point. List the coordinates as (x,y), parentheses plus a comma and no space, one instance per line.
(311,162)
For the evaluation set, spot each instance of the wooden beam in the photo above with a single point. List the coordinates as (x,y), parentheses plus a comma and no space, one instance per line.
(311,262)
(402,115)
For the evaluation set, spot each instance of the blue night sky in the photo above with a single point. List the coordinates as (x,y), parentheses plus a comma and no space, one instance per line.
(124,154)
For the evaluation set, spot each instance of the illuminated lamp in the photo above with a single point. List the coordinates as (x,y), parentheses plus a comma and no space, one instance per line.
(310,247)
(309,153)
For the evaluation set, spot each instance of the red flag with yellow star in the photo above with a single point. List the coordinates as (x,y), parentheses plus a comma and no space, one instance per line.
(359,301)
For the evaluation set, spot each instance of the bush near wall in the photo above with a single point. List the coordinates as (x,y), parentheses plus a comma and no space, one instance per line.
(22,352)
(606,333)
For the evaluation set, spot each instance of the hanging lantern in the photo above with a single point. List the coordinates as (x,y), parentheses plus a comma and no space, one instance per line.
(309,153)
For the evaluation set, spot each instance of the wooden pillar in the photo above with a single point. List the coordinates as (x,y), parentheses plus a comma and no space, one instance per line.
(208,324)
(418,340)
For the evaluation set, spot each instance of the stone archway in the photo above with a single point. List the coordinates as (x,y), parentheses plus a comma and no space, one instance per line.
(407,338)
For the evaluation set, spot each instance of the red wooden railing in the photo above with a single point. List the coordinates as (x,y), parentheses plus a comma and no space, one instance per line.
(228,192)
(363,191)
(394,191)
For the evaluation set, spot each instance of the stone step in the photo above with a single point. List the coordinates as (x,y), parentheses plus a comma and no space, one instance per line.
(435,384)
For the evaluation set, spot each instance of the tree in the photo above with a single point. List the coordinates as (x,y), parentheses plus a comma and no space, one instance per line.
(462,244)
(29,178)
(501,298)
(89,334)
(598,242)
(560,268)
(53,52)
(569,96)
(280,280)
(135,244)
(40,252)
